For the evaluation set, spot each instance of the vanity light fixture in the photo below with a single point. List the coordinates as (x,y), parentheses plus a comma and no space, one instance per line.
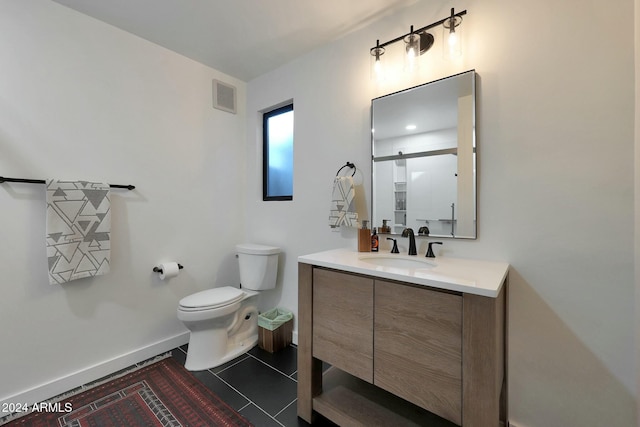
(418,42)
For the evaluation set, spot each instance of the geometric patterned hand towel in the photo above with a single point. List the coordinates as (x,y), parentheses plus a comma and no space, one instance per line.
(343,207)
(78,229)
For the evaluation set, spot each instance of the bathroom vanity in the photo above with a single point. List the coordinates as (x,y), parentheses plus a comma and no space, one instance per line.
(406,337)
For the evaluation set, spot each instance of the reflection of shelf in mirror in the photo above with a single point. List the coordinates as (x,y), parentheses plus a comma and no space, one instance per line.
(436,220)
(440,152)
(404,210)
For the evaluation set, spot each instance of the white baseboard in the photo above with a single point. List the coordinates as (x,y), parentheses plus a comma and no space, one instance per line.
(84,376)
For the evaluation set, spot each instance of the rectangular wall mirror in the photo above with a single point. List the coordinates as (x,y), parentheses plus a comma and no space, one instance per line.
(424,159)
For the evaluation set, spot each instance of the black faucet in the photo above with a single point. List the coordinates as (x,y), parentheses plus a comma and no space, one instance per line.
(430,253)
(408,232)
(394,250)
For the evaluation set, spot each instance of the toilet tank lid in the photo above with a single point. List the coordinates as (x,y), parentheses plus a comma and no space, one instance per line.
(254,249)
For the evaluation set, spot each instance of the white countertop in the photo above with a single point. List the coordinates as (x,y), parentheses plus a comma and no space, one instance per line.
(455,274)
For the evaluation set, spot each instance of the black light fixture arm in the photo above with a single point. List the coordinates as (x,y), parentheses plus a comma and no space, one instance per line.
(419,30)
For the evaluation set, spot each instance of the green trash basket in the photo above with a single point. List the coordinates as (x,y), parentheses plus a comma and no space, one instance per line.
(274,318)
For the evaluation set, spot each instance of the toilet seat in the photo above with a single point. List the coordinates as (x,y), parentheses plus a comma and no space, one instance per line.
(211,298)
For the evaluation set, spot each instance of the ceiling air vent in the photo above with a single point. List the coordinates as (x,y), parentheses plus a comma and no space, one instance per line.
(224,96)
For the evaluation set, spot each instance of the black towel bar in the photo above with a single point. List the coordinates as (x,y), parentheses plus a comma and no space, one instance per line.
(42,181)
(348,165)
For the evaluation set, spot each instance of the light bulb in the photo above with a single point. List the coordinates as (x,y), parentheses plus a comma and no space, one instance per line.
(454,49)
(411,57)
(453,39)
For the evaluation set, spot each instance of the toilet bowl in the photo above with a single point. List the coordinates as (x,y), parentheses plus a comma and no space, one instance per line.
(223,322)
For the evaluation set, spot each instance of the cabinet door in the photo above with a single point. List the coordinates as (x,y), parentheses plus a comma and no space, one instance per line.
(418,347)
(343,321)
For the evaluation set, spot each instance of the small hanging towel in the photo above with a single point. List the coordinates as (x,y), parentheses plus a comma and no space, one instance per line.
(343,210)
(78,229)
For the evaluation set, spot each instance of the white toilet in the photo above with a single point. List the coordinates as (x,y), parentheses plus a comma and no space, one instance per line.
(224,321)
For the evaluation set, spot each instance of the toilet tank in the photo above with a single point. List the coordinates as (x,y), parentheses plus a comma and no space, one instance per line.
(258,266)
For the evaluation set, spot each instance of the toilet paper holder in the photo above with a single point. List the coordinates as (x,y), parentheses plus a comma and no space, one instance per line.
(159,270)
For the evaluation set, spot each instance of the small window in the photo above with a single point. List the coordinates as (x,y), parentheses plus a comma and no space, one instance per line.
(277,167)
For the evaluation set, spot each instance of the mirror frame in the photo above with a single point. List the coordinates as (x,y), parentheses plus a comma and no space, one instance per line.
(471,204)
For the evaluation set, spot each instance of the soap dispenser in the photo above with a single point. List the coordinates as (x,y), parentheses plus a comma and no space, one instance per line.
(375,241)
(364,237)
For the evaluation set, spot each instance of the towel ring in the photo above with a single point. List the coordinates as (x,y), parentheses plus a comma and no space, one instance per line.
(348,165)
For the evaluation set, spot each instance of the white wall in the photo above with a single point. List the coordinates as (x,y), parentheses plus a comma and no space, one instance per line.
(555,162)
(637,195)
(555,135)
(82,100)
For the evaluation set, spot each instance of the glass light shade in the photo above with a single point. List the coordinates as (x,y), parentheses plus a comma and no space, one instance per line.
(377,63)
(412,49)
(452,37)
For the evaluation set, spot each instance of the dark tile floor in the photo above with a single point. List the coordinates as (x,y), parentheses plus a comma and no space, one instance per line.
(260,385)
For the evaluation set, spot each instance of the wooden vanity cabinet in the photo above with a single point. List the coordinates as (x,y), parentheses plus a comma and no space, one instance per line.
(418,346)
(343,321)
(439,350)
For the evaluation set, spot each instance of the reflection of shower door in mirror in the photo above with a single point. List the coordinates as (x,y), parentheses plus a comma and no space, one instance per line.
(399,195)
(385,203)
(431,190)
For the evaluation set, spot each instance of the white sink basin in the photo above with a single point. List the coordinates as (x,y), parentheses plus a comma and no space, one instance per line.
(397,262)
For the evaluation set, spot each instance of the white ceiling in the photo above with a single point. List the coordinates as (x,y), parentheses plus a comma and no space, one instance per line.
(242,38)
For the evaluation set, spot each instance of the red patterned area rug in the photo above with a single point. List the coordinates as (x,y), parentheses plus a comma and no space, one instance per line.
(161,394)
